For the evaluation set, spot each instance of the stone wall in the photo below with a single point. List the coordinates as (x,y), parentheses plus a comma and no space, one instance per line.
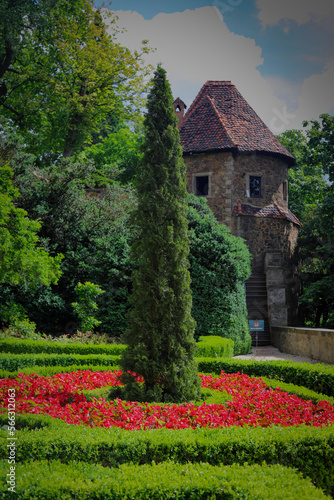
(273,172)
(228,176)
(220,167)
(263,235)
(314,343)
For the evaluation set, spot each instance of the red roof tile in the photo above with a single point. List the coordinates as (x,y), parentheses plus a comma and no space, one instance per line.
(271,211)
(221,119)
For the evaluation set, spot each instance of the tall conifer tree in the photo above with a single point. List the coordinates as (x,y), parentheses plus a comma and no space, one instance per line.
(160,338)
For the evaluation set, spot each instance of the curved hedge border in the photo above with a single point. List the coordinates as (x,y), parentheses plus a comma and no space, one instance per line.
(317,377)
(308,449)
(56,481)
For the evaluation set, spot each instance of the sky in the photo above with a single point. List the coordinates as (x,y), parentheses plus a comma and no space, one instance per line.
(278,53)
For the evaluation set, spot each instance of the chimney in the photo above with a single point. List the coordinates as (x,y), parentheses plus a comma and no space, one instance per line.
(179,107)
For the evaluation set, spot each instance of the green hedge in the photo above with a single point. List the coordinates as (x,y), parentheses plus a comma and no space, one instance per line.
(21,346)
(308,449)
(213,346)
(317,377)
(16,362)
(299,391)
(77,480)
(48,371)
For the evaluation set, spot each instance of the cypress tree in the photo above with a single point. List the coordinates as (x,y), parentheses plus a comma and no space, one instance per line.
(160,338)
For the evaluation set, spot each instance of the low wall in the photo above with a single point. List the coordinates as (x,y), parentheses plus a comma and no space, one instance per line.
(315,343)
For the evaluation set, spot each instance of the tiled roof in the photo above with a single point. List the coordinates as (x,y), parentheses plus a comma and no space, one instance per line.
(271,211)
(220,119)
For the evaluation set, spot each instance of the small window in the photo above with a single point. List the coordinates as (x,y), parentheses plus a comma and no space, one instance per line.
(254,186)
(202,185)
(285,191)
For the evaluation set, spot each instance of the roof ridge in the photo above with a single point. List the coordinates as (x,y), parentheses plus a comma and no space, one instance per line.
(293,215)
(280,210)
(221,121)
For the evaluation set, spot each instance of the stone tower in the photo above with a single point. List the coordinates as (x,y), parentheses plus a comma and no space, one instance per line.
(241,168)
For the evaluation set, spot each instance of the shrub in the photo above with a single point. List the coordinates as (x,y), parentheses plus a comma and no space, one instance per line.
(219,266)
(19,361)
(214,346)
(308,449)
(317,377)
(87,294)
(19,346)
(53,480)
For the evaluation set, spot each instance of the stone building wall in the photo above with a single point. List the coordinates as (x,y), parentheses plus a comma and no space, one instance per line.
(273,172)
(266,237)
(220,169)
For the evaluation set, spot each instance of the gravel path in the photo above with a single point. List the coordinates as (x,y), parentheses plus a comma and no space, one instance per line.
(267,353)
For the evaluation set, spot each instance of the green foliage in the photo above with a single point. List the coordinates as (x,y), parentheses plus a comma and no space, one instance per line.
(119,151)
(220,264)
(23,328)
(307,449)
(77,480)
(94,235)
(87,294)
(317,377)
(160,339)
(67,74)
(22,261)
(299,391)
(312,200)
(20,346)
(18,361)
(48,371)
(214,346)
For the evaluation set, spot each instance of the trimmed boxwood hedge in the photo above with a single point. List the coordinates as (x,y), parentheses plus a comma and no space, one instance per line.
(308,449)
(53,480)
(214,346)
(48,371)
(21,346)
(19,361)
(317,377)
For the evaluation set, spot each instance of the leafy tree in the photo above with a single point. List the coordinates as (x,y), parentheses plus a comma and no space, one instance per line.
(91,231)
(306,179)
(219,267)
(118,153)
(22,261)
(311,198)
(86,306)
(160,340)
(67,75)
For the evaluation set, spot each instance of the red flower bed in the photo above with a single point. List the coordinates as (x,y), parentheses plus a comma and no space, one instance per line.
(252,403)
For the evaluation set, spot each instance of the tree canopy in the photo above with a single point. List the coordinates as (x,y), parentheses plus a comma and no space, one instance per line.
(311,198)
(22,261)
(63,72)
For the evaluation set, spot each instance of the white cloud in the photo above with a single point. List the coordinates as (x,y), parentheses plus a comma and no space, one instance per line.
(195,46)
(271,12)
(317,93)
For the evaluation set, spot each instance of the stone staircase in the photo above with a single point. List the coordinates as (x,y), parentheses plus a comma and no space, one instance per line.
(257,306)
